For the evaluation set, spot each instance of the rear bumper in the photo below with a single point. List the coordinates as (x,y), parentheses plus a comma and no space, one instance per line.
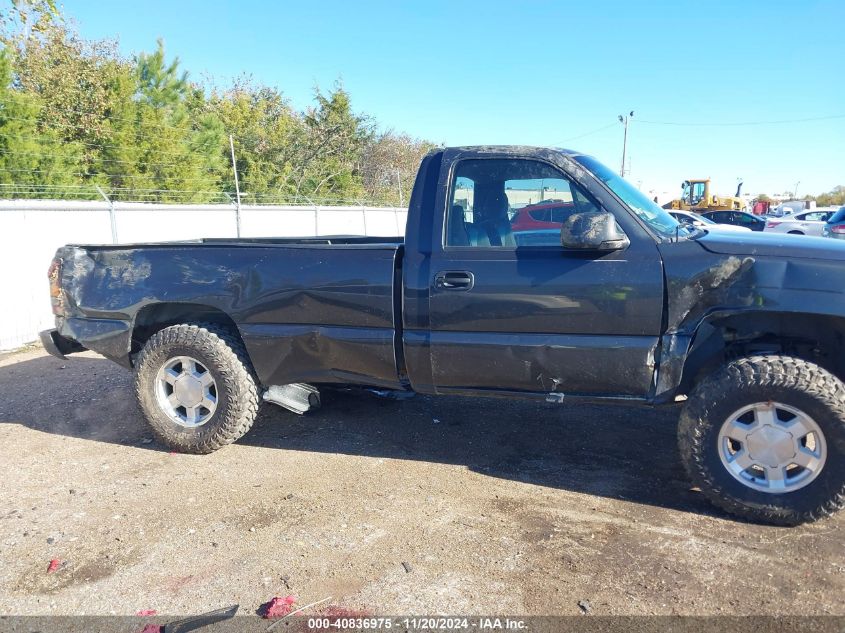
(58,345)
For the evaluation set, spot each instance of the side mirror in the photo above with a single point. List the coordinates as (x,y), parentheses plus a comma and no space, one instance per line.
(595,230)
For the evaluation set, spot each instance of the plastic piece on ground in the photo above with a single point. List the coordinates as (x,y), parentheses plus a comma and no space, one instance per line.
(278,607)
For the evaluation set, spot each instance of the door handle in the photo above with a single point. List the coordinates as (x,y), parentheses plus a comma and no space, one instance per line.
(454,280)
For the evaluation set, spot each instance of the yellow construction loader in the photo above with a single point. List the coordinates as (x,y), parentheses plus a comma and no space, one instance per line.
(696,196)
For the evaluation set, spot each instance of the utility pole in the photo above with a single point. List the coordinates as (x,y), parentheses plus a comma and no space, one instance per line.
(795,191)
(237,188)
(624,121)
(399,182)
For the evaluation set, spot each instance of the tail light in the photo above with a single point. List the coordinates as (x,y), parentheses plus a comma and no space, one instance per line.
(837,228)
(772,224)
(54,274)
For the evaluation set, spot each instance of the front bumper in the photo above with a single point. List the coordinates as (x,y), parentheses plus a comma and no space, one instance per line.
(58,345)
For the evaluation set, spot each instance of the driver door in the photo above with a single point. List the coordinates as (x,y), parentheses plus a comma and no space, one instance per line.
(517,312)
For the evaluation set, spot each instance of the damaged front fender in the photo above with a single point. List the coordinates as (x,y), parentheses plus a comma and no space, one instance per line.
(705,289)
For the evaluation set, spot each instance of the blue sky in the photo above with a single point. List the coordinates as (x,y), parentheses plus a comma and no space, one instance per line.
(543,73)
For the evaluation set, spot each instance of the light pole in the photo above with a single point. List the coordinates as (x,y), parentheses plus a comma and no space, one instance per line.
(237,188)
(624,121)
(795,191)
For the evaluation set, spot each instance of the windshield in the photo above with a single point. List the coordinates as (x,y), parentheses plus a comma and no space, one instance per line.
(648,211)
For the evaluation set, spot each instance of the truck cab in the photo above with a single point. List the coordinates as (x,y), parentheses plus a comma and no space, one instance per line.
(478,293)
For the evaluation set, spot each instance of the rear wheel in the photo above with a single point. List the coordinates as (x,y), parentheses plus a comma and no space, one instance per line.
(196,387)
(764,438)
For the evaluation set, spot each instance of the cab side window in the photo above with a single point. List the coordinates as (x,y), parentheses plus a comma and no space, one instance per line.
(815,216)
(510,203)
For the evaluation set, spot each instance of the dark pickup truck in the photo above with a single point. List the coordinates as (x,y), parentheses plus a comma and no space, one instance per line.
(620,303)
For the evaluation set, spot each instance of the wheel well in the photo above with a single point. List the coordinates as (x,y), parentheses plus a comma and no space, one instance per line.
(157,316)
(816,338)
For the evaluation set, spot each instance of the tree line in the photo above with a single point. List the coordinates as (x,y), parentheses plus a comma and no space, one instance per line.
(832,198)
(75,114)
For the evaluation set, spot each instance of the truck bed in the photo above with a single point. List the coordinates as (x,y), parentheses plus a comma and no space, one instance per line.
(332,300)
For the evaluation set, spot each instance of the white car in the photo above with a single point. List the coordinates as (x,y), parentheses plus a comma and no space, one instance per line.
(801,223)
(688,217)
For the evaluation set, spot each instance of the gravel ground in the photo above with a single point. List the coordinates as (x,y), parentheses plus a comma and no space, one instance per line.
(424,506)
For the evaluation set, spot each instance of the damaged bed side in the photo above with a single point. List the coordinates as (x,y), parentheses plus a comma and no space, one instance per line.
(306,311)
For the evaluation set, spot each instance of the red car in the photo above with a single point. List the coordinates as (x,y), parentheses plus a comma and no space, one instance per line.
(548,214)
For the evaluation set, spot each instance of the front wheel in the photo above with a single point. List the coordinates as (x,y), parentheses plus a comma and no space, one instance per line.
(764,438)
(196,387)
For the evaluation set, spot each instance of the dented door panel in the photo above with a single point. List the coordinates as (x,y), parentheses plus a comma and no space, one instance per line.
(563,364)
(549,321)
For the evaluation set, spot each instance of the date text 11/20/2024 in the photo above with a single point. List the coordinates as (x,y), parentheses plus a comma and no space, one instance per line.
(418,623)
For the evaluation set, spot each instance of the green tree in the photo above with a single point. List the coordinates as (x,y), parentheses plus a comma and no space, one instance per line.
(166,147)
(389,165)
(264,130)
(32,162)
(138,126)
(72,77)
(832,198)
(326,156)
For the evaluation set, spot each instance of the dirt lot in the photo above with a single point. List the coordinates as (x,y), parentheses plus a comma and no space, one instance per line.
(494,506)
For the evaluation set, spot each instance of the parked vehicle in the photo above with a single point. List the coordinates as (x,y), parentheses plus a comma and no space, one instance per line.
(791,207)
(761,207)
(694,219)
(548,214)
(803,223)
(540,223)
(621,305)
(835,225)
(737,218)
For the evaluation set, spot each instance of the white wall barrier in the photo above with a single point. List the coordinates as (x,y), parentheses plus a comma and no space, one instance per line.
(32,230)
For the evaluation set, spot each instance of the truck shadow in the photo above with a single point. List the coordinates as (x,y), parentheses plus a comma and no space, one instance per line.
(610,451)
(606,450)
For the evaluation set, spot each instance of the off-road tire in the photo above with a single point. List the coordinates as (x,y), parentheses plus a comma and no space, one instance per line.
(223,353)
(744,381)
